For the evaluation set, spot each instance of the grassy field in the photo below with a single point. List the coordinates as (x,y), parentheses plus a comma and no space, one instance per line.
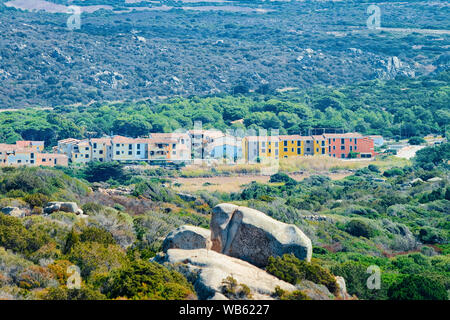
(231,178)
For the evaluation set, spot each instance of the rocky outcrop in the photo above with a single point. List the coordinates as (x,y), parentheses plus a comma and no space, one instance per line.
(207,269)
(71,207)
(188,238)
(253,236)
(342,288)
(186,197)
(13,212)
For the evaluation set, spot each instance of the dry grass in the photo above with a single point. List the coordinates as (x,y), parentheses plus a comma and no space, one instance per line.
(236,183)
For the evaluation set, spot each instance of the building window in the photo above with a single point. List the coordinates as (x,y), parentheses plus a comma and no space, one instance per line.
(86,156)
(32,155)
(285,149)
(117,145)
(355,147)
(130,153)
(138,146)
(117,152)
(343,156)
(101,152)
(323,143)
(308,149)
(292,150)
(276,144)
(299,143)
(342,147)
(334,147)
(276,152)
(285,143)
(342,141)
(130,146)
(138,152)
(299,151)
(263,144)
(44,160)
(31,161)
(95,145)
(334,155)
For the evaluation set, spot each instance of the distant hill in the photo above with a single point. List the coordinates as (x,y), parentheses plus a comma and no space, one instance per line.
(208,48)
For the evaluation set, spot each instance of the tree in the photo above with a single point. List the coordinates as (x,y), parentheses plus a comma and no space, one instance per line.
(103,171)
(416,140)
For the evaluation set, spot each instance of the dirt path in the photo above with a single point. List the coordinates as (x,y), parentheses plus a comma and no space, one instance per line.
(408,152)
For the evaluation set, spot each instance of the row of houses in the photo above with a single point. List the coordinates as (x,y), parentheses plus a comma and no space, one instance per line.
(30,153)
(187,147)
(344,145)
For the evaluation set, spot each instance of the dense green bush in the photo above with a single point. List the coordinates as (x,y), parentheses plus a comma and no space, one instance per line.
(359,228)
(147,280)
(14,236)
(417,287)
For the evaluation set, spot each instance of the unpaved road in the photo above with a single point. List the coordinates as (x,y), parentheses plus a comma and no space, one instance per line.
(408,152)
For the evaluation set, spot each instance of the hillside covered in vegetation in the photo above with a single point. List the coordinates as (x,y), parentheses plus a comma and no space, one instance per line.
(210,47)
(396,219)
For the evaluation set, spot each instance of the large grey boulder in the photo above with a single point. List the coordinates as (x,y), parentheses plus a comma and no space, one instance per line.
(71,207)
(207,269)
(188,238)
(253,236)
(13,212)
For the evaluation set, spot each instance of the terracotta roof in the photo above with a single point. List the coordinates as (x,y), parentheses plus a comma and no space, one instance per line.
(69,140)
(295,137)
(106,141)
(262,138)
(343,135)
(121,139)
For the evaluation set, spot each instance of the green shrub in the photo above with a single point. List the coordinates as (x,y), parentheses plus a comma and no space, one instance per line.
(14,236)
(64,293)
(99,235)
(36,199)
(393,172)
(359,228)
(293,270)
(147,280)
(234,291)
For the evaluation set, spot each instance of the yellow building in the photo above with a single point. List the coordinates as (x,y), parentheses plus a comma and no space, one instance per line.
(260,148)
(292,146)
(320,145)
(101,149)
(81,152)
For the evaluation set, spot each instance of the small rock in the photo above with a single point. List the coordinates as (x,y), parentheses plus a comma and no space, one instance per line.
(188,238)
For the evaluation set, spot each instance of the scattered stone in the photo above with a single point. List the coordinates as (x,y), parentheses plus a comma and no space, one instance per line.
(186,197)
(13,212)
(71,207)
